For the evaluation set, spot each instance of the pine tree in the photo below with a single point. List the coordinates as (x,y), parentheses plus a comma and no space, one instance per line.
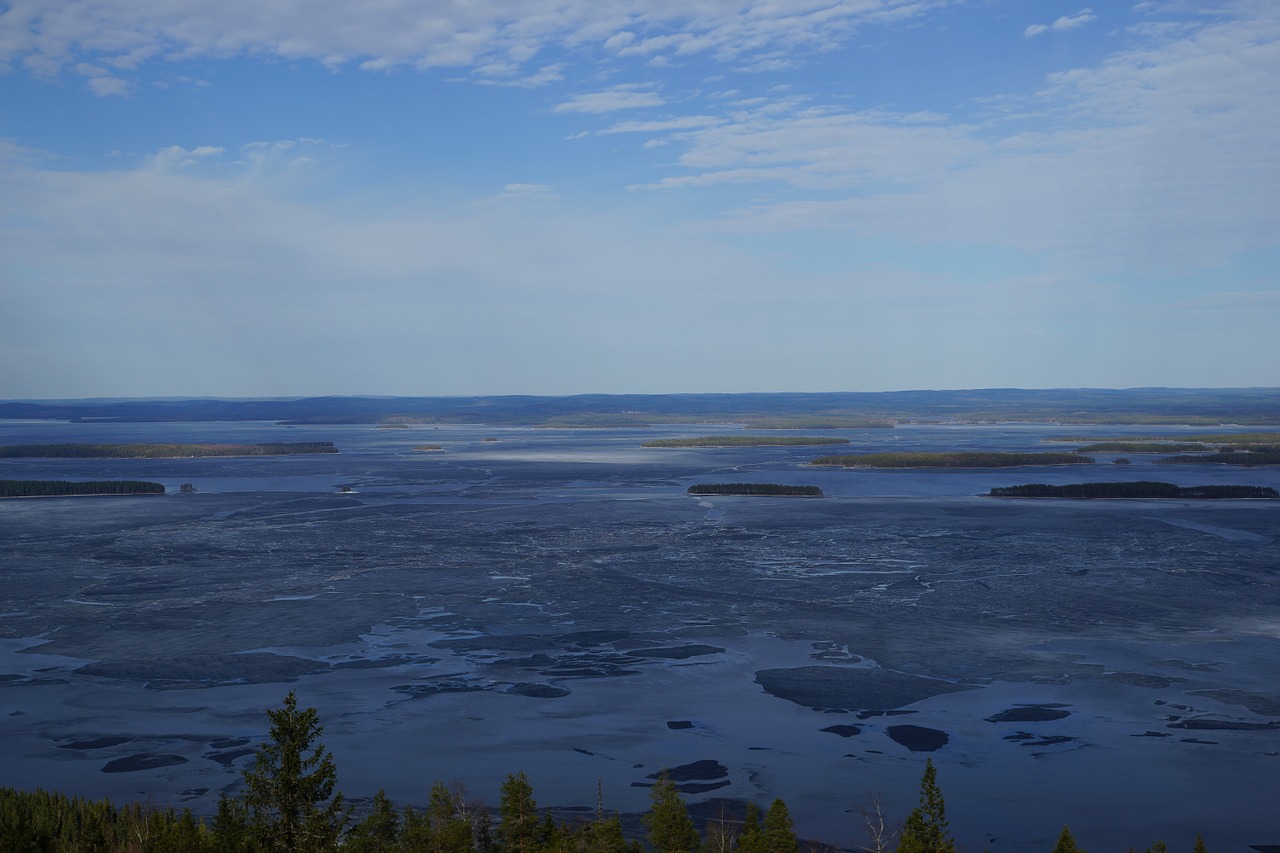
(519,830)
(1066,843)
(292,804)
(670,828)
(925,830)
(1200,846)
(751,838)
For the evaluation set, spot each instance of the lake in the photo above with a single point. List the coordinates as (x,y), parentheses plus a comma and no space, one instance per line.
(551,601)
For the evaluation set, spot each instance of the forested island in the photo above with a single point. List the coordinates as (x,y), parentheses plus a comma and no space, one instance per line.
(160,451)
(967,459)
(746,441)
(1136,489)
(1143,447)
(64,488)
(754,489)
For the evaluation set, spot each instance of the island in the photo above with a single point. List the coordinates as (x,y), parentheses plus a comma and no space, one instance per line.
(159,451)
(967,459)
(428,448)
(1259,455)
(746,441)
(1144,447)
(755,490)
(64,488)
(1136,489)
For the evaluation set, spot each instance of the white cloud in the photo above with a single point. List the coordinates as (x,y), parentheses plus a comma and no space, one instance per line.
(662,125)
(626,96)
(1063,24)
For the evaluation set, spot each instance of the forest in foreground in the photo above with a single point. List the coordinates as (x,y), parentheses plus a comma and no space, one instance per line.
(289,804)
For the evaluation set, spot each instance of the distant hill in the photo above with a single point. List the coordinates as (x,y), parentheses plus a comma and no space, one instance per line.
(1198,406)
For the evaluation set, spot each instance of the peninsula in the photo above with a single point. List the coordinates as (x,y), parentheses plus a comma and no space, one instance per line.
(1135,489)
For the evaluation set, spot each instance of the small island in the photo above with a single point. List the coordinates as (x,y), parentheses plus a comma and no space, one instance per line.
(1136,489)
(968,459)
(1254,456)
(428,448)
(746,441)
(160,451)
(755,490)
(64,488)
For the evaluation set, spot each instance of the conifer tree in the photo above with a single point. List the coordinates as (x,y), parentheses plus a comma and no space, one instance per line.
(670,828)
(1200,846)
(519,830)
(778,832)
(751,838)
(1066,843)
(292,804)
(925,830)
(377,833)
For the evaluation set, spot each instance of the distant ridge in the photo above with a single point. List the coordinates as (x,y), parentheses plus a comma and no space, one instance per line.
(1196,406)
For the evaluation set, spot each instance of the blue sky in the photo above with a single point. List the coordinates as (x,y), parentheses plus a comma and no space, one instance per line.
(301,197)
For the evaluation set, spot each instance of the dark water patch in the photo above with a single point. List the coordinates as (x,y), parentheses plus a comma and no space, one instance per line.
(228,742)
(705,769)
(592,638)
(586,672)
(1202,724)
(142,761)
(843,730)
(431,688)
(510,643)
(536,691)
(1197,740)
(1051,740)
(227,757)
(1263,704)
(896,712)
(95,743)
(677,725)
(918,738)
(1152,734)
(1029,714)
(1141,679)
(384,662)
(692,650)
(846,689)
(1182,664)
(190,671)
(10,677)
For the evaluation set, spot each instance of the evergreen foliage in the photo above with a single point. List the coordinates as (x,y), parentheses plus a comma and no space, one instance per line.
(290,796)
(65,488)
(754,490)
(778,833)
(519,829)
(670,827)
(925,830)
(1066,843)
(1135,489)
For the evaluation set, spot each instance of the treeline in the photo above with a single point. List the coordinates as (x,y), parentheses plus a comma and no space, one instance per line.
(967,459)
(1143,447)
(754,489)
(160,451)
(55,488)
(746,441)
(1135,489)
(289,805)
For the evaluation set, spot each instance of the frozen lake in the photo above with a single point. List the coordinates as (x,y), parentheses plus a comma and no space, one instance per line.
(552,601)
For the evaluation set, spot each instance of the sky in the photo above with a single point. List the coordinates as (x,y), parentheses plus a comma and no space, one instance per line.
(458,197)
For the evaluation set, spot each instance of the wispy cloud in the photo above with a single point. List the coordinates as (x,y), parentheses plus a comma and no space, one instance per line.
(626,96)
(1062,24)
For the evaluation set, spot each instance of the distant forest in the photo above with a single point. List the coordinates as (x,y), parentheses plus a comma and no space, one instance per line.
(1195,406)
(64,488)
(1135,489)
(753,489)
(159,451)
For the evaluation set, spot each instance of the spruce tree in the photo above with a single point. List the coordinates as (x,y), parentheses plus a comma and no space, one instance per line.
(925,830)
(670,828)
(1066,843)
(377,833)
(751,838)
(778,832)
(292,804)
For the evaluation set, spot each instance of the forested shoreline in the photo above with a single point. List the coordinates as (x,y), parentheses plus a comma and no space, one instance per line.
(1136,489)
(65,488)
(967,459)
(289,804)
